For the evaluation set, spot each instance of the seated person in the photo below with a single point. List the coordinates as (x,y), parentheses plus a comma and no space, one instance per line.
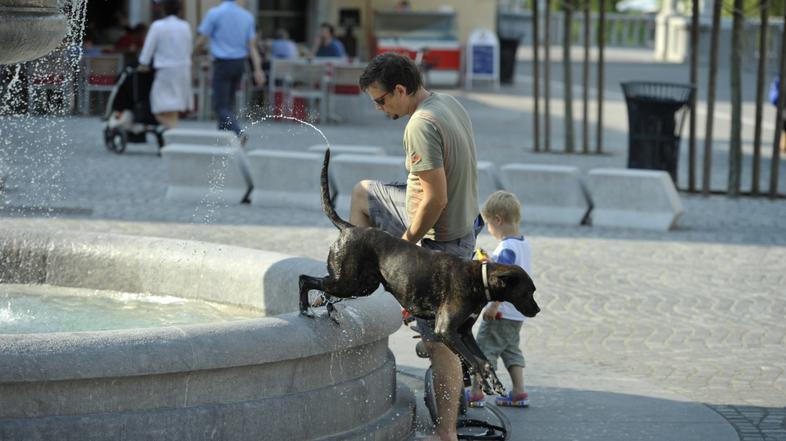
(326,44)
(282,47)
(133,40)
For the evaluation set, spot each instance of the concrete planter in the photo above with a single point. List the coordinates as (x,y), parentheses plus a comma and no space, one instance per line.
(278,377)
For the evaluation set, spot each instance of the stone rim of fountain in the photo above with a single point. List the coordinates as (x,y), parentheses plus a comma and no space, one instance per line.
(231,371)
(29,29)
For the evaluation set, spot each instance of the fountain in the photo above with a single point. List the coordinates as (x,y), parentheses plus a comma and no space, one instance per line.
(280,376)
(29,29)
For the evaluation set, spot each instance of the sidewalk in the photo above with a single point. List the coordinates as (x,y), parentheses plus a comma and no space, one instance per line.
(643,335)
(576,401)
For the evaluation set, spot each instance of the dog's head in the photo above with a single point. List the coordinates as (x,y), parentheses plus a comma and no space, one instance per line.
(510,283)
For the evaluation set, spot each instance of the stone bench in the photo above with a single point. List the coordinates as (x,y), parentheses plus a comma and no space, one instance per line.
(205,173)
(216,138)
(644,199)
(488,180)
(285,179)
(347,170)
(351,149)
(550,194)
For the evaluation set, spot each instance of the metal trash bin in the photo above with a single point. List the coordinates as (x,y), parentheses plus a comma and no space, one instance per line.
(512,28)
(507,59)
(656,113)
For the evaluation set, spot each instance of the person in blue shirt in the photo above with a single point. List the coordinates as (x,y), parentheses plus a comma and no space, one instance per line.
(326,44)
(282,47)
(232,35)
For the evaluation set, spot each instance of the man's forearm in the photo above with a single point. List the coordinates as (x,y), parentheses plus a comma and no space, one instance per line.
(256,60)
(425,218)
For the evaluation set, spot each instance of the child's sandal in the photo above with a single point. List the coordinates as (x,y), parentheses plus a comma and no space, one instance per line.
(474,400)
(519,400)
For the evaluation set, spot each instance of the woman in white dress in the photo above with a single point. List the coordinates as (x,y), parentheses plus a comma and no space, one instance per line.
(169,44)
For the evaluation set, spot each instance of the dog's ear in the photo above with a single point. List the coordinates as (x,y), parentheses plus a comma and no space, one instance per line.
(511,276)
(507,277)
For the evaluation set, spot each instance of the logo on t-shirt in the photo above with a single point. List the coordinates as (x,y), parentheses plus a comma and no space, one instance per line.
(414,159)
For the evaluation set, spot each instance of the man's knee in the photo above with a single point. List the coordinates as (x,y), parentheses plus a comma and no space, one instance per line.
(360,197)
(358,206)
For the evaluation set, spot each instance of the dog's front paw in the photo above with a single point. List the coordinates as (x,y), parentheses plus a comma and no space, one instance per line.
(307,312)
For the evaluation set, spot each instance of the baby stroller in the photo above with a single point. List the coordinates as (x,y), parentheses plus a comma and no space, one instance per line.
(128,116)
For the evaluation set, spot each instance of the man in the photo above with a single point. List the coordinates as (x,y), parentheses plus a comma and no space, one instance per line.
(438,205)
(232,35)
(326,44)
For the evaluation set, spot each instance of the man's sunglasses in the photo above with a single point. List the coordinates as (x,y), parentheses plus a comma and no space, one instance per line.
(381,100)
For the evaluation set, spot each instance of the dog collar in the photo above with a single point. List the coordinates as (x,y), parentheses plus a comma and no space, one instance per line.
(485,273)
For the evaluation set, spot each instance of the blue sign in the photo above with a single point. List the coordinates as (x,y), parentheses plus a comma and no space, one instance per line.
(483,60)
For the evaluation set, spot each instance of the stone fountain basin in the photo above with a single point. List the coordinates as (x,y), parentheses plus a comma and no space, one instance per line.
(29,29)
(282,376)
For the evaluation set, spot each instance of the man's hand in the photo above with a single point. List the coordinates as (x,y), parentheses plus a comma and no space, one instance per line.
(259,77)
(490,313)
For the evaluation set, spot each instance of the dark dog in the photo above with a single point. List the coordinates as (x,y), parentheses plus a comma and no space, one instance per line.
(429,284)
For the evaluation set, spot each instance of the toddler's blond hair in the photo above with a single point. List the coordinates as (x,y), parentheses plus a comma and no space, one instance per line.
(503,204)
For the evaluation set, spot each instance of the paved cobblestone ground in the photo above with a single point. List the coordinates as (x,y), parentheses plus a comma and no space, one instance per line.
(698,312)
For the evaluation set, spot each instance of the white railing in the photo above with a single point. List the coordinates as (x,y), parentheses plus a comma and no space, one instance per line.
(750,43)
(622,30)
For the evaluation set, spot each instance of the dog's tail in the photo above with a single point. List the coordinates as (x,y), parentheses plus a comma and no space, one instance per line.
(327,206)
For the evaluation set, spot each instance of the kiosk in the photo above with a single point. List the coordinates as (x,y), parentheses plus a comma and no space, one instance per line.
(429,38)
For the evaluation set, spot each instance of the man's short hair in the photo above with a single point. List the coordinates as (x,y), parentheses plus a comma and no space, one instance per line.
(503,204)
(329,27)
(171,7)
(390,69)
(282,34)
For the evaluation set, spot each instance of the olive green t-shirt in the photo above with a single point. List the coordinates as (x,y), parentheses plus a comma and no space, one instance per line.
(439,134)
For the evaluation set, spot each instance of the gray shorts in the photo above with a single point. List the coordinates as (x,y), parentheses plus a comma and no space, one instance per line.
(500,339)
(387,209)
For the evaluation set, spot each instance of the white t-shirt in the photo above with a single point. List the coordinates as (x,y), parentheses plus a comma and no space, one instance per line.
(168,43)
(513,250)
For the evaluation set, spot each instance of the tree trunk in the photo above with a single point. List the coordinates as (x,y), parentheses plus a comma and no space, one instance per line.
(566,71)
(735,146)
(716,13)
(536,73)
(764,15)
(601,74)
(547,80)
(776,151)
(694,80)
(585,84)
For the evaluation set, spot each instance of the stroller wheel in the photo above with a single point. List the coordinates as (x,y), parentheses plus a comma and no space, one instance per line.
(115,140)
